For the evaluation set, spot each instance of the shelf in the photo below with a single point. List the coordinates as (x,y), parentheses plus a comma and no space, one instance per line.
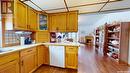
(117,59)
(111,26)
(115,46)
(113,38)
(114,32)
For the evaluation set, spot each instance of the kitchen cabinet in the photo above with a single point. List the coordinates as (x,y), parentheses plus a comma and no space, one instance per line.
(71,58)
(58,22)
(42,36)
(20,15)
(43,55)
(72,21)
(9,63)
(53,19)
(64,22)
(57,56)
(43,22)
(46,59)
(28,60)
(32,19)
(11,67)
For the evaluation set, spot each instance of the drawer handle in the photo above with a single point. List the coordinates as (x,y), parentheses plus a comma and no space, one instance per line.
(12,60)
(70,48)
(29,50)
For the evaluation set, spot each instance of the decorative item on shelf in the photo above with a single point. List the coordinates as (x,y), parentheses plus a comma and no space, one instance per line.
(7,6)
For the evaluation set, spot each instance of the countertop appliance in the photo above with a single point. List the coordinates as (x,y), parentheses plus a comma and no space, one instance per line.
(52,37)
(28,40)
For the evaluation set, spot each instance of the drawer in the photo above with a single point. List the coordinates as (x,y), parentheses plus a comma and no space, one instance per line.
(27,51)
(71,49)
(9,58)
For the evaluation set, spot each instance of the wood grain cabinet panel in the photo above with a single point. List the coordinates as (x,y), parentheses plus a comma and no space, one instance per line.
(42,36)
(43,55)
(64,22)
(32,19)
(11,67)
(72,21)
(20,15)
(71,59)
(28,61)
(9,63)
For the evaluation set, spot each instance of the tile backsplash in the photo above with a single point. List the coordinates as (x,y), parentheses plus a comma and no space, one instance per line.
(12,38)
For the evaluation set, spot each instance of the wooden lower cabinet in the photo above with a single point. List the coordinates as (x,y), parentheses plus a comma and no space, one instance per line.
(9,63)
(28,60)
(11,67)
(43,55)
(71,58)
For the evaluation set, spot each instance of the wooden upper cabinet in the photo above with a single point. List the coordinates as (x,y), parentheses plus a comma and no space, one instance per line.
(64,22)
(58,22)
(20,16)
(72,21)
(32,19)
(53,22)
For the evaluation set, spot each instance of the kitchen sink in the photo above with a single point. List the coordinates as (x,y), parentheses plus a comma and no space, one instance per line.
(5,50)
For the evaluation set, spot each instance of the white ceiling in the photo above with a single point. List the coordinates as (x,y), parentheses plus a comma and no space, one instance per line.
(84,6)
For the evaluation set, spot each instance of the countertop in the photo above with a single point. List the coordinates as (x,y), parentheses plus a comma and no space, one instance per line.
(8,50)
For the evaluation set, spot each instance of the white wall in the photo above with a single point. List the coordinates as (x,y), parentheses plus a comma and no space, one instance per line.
(89,22)
(111,17)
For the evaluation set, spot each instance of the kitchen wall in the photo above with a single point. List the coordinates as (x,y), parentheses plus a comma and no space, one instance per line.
(89,22)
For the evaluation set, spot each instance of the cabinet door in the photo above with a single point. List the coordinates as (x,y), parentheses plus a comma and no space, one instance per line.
(43,55)
(11,67)
(32,19)
(20,16)
(72,21)
(53,22)
(71,60)
(46,59)
(28,63)
(71,57)
(61,17)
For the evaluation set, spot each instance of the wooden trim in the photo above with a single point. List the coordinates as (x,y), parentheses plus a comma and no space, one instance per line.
(3,30)
(105,11)
(84,5)
(104,5)
(66,5)
(38,6)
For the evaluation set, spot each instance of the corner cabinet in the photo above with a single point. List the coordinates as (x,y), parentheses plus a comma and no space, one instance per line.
(20,15)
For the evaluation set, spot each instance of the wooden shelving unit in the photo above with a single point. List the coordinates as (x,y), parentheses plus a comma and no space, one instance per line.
(116,41)
(97,38)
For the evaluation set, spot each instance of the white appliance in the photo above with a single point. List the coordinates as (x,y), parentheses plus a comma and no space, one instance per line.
(57,56)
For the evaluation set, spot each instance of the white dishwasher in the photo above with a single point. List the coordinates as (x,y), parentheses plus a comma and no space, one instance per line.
(57,56)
